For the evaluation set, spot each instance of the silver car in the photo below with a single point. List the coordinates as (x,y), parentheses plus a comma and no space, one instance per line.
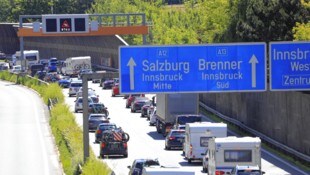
(74,87)
(79,104)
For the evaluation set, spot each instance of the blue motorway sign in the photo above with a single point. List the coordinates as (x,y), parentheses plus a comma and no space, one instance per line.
(289,66)
(238,67)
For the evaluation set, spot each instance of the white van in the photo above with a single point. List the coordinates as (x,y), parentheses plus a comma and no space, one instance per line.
(226,153)
(72,66)
(197,136)
(158,170)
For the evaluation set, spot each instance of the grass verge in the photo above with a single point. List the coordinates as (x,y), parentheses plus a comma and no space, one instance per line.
(68,135)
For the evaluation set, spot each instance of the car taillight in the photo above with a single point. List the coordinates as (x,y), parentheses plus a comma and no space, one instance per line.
(98,131)
(125,145)
(219,172)
(102,145)
(171,138)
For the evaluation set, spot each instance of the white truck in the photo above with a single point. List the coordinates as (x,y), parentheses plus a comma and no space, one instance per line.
(176,109)
(158,170)
(72,66)
(197,137)
(226,153)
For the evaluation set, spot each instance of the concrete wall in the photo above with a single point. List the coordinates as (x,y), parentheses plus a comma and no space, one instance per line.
(283,116)
(102,49)
(9,42)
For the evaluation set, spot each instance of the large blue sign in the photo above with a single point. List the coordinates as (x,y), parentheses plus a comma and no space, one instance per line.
(289,66)
(193,68)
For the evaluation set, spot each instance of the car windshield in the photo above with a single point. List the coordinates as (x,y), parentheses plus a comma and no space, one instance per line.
(107,127)
(178,133)
(76,85)
(248,172)
(188,119)
(151,162)
(95,117)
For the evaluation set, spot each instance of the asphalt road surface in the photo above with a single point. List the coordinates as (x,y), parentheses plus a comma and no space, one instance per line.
(26,146)
(145,142)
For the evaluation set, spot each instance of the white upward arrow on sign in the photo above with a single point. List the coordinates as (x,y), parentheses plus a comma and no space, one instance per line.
(253,61)
(131,63)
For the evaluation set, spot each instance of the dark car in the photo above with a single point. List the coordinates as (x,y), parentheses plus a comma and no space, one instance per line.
(64,82)
(95,119)
(40,74)
(139,164)
(131,98)
(137,104)
(145,108)
(98,108)
(175,138)
(51,77)
(107,84)
(35,68)
(103,127)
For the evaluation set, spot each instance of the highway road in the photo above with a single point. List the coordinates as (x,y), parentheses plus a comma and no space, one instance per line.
(145,142)
(26,145)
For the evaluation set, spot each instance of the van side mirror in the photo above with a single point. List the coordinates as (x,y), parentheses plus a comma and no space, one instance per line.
(263,172)
(129,167)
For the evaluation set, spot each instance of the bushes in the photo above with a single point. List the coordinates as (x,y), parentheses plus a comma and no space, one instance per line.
(68,135)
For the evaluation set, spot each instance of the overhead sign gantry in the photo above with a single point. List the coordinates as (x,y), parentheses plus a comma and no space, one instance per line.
(236,67)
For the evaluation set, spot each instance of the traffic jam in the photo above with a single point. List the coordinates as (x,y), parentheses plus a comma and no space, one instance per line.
(173,119)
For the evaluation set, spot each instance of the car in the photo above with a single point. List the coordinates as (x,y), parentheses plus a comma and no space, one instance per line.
(137,104)
(64,82)
(95,119)
(91,92)
(174,138)
(98,108)
(107,84)
(79,103)
(115,90)
(153,118)
(101,128)
(246,170)
(16,69)
(145,109)
(74,87)
(84,71)
(138,165)
(52,77)
(2,56)
(40,74)
(131,98)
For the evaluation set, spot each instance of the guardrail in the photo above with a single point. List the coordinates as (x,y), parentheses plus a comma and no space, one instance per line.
(265,138)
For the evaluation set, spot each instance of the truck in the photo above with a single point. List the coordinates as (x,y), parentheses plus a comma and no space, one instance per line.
(72,66)
(197,137)
(114,142)
(30,57)
(160,170)
(226,153)
(169,106)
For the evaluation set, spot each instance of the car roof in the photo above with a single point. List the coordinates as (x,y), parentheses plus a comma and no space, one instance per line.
(107,124)
(103,115)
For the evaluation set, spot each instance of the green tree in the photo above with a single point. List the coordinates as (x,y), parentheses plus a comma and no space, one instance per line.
(268,20)
(302,30)
(5,10)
